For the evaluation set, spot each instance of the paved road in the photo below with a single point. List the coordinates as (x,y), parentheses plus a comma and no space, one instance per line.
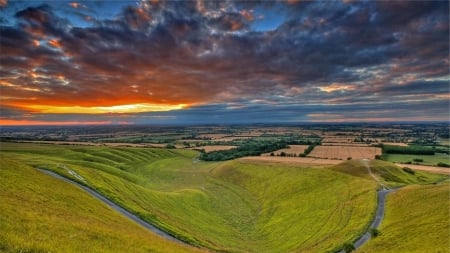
(119,209)
(381,194)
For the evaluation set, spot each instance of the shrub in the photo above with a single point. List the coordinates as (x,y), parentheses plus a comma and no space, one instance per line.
(349,158)
(348,247)
(418,160)
(374,232)
(443,165)
(409,170)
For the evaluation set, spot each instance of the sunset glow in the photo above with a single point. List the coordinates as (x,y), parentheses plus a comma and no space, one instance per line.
(133,108)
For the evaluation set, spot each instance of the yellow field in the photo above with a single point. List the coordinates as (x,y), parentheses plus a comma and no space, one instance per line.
(344,152)
(293,149)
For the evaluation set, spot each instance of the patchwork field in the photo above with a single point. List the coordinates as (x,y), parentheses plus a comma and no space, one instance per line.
(417,221)
(345,152)
(234,206)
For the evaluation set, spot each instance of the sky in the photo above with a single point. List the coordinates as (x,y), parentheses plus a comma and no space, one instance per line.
(223,62)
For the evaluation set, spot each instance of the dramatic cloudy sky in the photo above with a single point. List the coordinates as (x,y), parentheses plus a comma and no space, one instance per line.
(175,62)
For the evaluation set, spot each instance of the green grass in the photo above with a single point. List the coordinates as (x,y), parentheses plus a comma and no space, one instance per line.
(43,214)
(427,159)
(416,220)
(388,173)
(232,206)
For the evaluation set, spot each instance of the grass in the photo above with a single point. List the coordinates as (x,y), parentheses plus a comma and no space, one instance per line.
(62,218)
(417,220)
(388,173)
(432,160)
(232,206)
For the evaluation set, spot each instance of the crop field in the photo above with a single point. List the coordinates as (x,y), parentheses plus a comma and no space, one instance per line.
(43,214)
(417,221)
(400,144)
(234,206)
(344,152)
(291,160)
(293,149)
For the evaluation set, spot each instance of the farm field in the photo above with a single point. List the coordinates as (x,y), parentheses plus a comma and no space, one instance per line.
(431,160)
(344,152)
(417,221)
(291,160)
(62,218)
(236,206)
(292,149)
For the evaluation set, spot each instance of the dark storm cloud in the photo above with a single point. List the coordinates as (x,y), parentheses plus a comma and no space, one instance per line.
(200,52)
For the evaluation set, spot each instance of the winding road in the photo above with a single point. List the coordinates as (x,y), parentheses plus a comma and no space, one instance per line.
(381,194)
(114,206)
(362,239)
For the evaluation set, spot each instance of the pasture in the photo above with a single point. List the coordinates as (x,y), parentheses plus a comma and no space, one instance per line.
(431,160)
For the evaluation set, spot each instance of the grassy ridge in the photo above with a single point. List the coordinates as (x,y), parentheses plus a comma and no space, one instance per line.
(417,220)
(388,173)
(276,209)
(62,218)
(228,206)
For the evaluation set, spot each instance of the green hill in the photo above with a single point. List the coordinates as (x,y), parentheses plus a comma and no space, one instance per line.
(417,220)
(232,206)
(43,214)
(388,173)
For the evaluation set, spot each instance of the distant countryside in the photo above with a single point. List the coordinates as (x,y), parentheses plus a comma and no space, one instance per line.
(243,188)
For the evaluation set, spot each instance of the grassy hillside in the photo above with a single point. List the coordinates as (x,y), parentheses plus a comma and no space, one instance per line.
(417,220)
(388,173)
(43,214)
(232,206)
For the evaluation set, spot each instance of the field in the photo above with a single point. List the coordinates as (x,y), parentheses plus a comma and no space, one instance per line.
(344,152)
(62,218)
(432,160)
(417,221)
(293,149)
(210,148)
(235,206)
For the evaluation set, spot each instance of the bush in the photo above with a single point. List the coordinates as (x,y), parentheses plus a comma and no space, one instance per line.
(418,160)
(349,158)
(409,170)
(348,247)
(443,165)
(374,232)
